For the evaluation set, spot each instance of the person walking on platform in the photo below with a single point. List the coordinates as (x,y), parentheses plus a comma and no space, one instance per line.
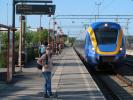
(46,61)
(59,46)
(41,50)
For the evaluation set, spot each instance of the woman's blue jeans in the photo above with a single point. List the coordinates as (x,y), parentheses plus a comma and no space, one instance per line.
(47,85)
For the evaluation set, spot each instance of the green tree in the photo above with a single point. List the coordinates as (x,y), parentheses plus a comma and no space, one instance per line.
(43,35)
(35,38)
(72,39)
(4,39)
(16,39)
(29,38)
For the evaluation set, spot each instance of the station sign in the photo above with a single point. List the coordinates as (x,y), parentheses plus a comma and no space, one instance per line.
(28,9)
(33,1)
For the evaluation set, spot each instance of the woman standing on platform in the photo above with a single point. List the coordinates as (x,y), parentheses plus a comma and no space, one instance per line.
(46,62)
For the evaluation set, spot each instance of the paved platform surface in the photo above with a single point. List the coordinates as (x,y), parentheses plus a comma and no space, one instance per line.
(70,81)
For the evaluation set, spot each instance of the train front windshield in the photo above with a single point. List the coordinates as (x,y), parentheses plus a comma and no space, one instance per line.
(106,35)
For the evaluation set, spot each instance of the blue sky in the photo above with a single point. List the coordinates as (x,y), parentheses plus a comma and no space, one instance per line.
(72,7)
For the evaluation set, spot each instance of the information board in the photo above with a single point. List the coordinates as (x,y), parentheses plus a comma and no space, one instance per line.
(35,9)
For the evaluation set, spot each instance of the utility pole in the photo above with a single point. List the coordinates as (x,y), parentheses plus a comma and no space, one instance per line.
(98,5)
(127,26)
(127,35)
(116,19)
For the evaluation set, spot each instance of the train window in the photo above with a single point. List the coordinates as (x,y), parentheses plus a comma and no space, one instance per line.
(106,35)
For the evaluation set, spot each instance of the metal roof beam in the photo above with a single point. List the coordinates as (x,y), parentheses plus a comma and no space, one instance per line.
(5,26)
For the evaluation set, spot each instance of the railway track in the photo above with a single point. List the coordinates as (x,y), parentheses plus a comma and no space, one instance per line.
(125,73)
(121,82)
(117,88)
(129,62)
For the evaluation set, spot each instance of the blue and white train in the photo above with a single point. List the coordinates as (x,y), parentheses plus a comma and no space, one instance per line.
(102,44)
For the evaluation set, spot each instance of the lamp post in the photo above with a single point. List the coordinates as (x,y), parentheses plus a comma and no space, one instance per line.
(53,33)
(49,30)
(58,35)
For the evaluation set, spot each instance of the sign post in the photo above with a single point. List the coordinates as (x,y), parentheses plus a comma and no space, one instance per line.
(10,55)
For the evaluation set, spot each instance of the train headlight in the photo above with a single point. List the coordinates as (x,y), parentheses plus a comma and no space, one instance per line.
(121,49)
(106,25)
(93,49)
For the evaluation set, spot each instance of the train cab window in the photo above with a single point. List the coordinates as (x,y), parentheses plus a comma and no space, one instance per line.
(106,35)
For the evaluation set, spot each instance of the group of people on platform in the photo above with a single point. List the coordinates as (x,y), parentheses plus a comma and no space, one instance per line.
(45,65)
(56,48)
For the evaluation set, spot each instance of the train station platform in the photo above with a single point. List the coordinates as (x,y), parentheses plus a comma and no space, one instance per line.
(70,81)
